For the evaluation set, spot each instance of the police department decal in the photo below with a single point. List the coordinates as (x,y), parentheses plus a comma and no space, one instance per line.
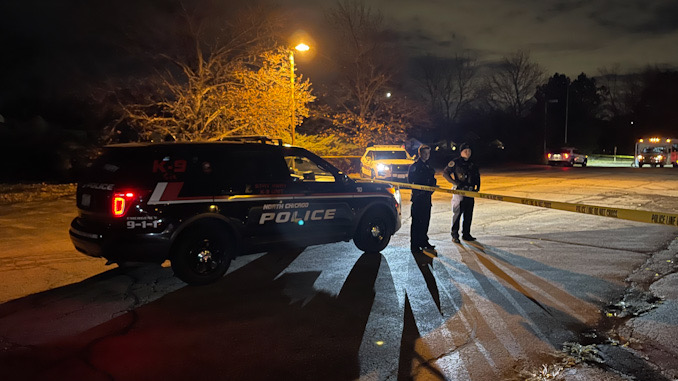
(143,222)
(281,213)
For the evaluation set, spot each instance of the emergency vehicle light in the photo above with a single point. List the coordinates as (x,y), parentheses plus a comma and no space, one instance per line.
(121,203)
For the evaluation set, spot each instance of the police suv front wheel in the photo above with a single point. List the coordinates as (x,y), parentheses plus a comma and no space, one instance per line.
(373,233)
(202,255)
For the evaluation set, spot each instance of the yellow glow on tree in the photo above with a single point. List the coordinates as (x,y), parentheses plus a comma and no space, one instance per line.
(262,99)
(219,97)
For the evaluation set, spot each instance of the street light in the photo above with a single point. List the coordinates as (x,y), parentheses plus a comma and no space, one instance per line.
(293,122)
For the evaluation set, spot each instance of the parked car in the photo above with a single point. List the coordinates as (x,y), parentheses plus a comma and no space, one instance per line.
(566,156)
(201,204)
(386,162)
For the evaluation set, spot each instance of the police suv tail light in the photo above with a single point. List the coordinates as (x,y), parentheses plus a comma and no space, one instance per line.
(122,202)
(567,155)
(549,156)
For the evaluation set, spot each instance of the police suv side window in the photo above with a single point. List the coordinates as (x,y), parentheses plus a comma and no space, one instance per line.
(198,176)
(304,169)
(250,172)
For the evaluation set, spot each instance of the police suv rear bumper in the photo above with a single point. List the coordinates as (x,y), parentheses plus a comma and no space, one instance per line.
(120,246)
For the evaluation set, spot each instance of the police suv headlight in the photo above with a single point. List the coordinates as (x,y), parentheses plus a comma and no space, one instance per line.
(382,167)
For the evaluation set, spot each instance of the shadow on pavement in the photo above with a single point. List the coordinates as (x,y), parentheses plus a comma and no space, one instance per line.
(243,327)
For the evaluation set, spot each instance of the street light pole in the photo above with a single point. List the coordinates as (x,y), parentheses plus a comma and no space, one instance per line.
(546,103)
(293,122)
(567,108)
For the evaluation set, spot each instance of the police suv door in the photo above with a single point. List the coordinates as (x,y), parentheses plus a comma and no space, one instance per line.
(322,208)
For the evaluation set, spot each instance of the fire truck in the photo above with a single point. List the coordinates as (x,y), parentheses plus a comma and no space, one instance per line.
(656,152)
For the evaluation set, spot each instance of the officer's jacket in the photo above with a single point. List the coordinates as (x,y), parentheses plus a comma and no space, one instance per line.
(421,173)
(463,174)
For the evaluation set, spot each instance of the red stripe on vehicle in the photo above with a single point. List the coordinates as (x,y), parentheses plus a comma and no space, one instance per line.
(171,192)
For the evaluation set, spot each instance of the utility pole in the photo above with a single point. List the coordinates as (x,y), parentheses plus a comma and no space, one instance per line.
(567,108)
(546,103)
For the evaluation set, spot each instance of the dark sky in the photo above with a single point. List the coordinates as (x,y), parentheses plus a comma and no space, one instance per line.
(565,36)
(48,43)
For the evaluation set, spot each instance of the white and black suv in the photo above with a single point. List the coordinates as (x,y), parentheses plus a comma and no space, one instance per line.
(568,156)
(387,162)
(201,204)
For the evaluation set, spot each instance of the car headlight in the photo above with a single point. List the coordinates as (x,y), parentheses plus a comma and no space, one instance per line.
(382,167)
(640,157)
(660,157)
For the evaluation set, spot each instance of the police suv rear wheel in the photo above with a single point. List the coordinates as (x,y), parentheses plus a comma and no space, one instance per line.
(373,233)
(202,255)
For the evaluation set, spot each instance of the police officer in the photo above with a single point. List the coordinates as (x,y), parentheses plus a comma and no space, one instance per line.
(421,173)
(464,174)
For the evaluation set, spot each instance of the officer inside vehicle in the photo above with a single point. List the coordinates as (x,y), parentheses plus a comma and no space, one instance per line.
(464,175)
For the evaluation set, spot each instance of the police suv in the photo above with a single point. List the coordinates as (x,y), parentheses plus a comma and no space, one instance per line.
(202,204)
(387,162)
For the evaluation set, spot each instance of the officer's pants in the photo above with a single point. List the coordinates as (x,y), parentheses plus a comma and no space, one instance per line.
(462,206)
(421,218)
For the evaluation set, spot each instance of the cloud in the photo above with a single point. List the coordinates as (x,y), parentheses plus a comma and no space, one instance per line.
(563,35)
(655,17)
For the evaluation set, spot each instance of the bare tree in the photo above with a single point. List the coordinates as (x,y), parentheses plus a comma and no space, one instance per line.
(368,65)
(450,84)
(362,54)
(612,90)
(239,83)
(514,83)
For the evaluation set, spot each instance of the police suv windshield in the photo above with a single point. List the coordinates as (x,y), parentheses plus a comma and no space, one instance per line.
(390,155)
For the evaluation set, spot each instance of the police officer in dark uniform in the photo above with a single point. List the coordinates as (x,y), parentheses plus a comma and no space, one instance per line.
(421,173)
(464,174)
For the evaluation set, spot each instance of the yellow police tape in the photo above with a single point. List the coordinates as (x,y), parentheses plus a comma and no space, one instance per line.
(619,213)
